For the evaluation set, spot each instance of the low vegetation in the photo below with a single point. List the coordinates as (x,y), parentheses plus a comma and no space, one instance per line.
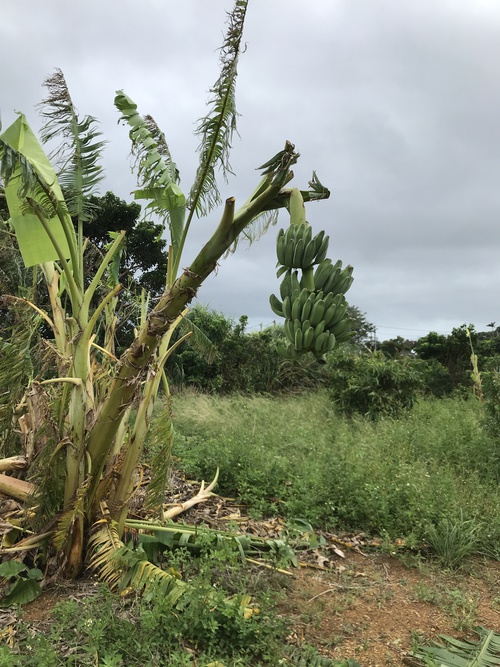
(432,471)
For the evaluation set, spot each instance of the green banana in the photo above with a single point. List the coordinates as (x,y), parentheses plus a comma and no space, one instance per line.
(342,306)
(289,284)
(289,330)
(317,311)
(289,252)
(318,330)
(333,280)
(295,282)
(337,278)
(329,316)
(280,246)
(291,233)
(337,311)
(298,340)
(285,287)
(309,254)
(321,274)
(341,327)
(320,342)
(305,325)
(306,308)
(281,271)
(287,351)
(297,304)
(308,338)
(307,233)
(345,281)
(332,340)
(287,307)
(347,285)
(328,299)
(298,254)
(322,249)
(276,305)
(318,242)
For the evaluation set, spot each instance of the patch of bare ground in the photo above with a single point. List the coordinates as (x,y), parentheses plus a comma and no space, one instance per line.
(375,609)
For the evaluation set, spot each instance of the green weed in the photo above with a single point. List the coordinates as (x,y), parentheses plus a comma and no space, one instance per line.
(215,622)
(453,539)
(295,456)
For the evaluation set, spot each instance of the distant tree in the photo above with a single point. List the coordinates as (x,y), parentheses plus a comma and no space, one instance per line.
(145,257)
(143,265)
(397,347)
(364,329)
(370,384)
(238,360)
(452,351)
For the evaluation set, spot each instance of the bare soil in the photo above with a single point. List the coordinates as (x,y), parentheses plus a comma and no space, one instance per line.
(377,609)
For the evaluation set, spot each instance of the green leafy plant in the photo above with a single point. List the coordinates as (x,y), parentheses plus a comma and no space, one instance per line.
(20,583)
(372,385)
(452,539)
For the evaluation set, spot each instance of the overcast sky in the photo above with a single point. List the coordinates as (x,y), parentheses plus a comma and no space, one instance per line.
(395,104)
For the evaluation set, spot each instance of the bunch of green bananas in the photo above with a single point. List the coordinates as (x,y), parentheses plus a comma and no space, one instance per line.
(297,249)
(314,306)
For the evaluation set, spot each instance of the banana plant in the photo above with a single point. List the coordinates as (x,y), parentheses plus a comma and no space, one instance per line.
(85,471)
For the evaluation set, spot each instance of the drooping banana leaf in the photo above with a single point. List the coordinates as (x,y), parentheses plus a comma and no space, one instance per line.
(28,174)
(157,172)
(462,653)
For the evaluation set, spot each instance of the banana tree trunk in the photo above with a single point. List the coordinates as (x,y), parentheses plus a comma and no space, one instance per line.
(136,360)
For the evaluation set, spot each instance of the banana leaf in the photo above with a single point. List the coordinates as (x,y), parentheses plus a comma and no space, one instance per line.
(34,242)
(462,653)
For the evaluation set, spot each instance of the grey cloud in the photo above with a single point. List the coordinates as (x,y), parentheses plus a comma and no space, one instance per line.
(395,104)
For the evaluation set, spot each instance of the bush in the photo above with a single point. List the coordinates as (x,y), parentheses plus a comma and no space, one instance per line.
(243,362)
(435,377)
(372,385)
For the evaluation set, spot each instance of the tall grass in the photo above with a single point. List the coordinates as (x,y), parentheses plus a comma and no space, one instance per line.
(296,456)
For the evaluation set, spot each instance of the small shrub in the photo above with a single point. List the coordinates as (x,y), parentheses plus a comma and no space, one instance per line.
(453,539)
(372,385)
(210,623)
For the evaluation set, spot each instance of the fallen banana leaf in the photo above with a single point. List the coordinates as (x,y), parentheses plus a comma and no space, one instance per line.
(461,653)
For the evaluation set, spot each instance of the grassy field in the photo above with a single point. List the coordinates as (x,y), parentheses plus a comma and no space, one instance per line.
(430,478)
(434,471)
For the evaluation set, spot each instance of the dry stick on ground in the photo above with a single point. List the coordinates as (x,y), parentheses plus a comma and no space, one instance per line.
(202,496)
